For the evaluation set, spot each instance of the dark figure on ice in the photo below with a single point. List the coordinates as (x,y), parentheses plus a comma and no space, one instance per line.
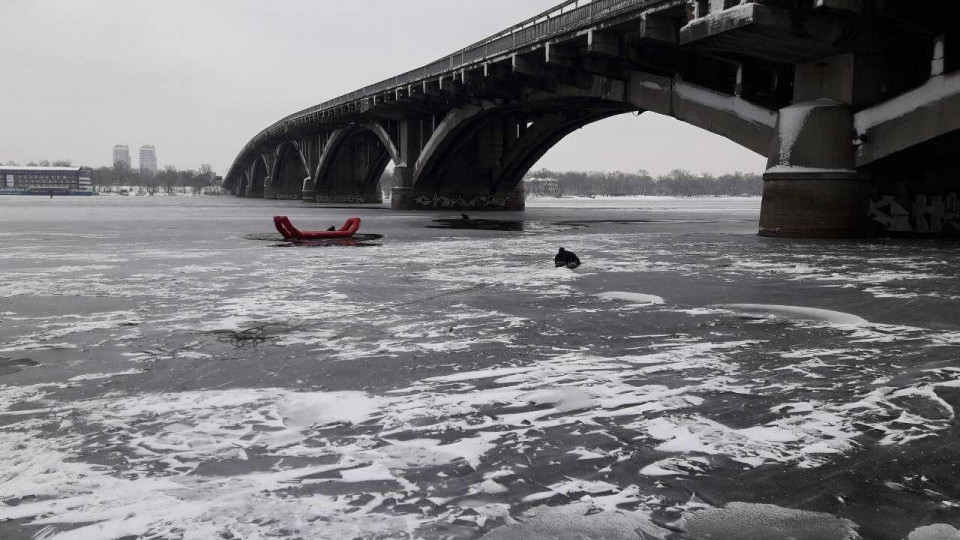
(464,217)
(566,258)
(332,228)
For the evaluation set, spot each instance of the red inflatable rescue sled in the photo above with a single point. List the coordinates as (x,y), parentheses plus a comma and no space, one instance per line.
(290,232)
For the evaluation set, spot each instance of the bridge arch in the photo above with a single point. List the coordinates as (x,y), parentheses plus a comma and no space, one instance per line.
(289,171)
(351,164)
(478,155)
(259,173)
(237,183)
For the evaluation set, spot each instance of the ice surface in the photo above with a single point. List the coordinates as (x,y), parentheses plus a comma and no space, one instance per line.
(451,384)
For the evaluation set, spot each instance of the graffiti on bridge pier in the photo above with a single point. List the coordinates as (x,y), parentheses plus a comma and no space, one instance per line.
(340,199)
(929,214)
(458,201)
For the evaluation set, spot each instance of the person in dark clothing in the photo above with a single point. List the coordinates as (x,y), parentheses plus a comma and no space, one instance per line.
(464,217)
(566,258)
(332,228)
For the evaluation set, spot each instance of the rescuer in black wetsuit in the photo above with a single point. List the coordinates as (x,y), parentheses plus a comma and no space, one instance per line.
(566,258)
(332,228)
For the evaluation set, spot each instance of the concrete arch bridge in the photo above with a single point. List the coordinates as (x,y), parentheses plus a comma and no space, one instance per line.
(856,104)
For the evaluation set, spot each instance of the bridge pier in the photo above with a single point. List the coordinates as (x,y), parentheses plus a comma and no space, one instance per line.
(309,193)
(811,188)
(401,195)
(269,190)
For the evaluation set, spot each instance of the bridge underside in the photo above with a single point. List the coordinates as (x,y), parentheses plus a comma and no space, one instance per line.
(855,103)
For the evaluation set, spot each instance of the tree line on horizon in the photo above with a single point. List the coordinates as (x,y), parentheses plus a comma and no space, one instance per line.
(121,176)
(168,180)
(676,183)
(41,163)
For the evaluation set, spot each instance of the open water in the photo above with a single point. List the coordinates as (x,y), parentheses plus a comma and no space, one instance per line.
(170,369)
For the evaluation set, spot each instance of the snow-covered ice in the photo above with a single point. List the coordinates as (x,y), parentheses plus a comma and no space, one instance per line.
(454,383)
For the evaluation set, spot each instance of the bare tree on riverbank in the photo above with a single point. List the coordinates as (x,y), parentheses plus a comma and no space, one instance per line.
(679,182)
(41,163)
(676,183)
(170,180)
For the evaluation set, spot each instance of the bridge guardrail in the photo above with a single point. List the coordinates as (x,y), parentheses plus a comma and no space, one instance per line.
(561,18)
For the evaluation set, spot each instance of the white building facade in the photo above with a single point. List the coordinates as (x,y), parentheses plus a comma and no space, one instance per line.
(121,154)
(148,160)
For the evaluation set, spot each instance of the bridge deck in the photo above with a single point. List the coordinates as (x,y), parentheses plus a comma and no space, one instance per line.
(571,16)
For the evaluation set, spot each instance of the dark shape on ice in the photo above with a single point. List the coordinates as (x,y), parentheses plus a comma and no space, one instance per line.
(566,258)
(9,366)
(477,224)
(242,339)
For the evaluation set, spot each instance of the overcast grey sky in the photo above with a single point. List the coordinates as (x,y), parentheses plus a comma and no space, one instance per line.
(198,78)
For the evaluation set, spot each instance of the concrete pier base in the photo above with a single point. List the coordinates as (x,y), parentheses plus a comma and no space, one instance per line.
(806,204)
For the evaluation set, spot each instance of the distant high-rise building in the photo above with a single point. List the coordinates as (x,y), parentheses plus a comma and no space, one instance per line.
(121,154)
(148,159)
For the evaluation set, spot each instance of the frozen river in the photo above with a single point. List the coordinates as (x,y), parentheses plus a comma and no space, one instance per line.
(690,380)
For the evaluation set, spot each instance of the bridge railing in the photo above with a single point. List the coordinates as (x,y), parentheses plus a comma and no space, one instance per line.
(566,16)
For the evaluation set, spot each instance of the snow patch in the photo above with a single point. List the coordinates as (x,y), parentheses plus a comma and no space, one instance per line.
(722,102)
(746,521)
(306,410)
(95,376)
(940,531)
(798,312)
(634,298)
(935,89)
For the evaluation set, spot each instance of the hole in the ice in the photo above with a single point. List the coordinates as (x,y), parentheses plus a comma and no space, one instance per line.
(9,366)
(502,225)
(357,240)
(478,224)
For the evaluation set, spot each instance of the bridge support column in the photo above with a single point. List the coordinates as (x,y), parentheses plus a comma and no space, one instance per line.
(309,193)
(402,192)
(410,144)
(269,191)
(811,188)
